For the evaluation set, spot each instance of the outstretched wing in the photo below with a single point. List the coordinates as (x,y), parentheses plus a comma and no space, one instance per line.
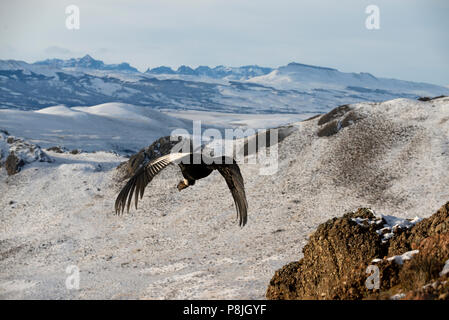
(231,172)
(142,178)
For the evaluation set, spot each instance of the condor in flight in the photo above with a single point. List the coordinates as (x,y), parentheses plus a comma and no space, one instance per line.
(191,172)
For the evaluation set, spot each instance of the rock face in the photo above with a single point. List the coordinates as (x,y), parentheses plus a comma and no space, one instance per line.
(339,252)
(16,153)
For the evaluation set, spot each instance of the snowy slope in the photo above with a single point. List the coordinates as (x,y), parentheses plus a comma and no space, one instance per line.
(391,156)
(306,77)
(110,126)
(119,127)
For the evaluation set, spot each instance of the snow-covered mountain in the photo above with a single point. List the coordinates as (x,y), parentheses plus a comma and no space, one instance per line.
(295,88)
(306,77)
(219,72)
(86,62)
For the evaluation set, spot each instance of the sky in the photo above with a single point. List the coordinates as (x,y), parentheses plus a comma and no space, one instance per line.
(412,42)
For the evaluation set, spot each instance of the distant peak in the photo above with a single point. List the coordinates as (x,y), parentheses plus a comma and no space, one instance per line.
(87,57)
(296,64)
(87,62)
(161,70)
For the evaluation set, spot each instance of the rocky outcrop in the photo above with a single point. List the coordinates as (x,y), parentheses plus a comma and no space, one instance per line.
(57,149)
(13,164)
(335,120)
(343,253)
(15,153)
(429,98)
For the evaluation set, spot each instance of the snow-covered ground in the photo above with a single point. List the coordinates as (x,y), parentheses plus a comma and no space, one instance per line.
(111,126)
(239,120)
(188,244)
(120,127)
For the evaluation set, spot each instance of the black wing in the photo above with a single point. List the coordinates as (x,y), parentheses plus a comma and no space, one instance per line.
(142,178)
(230,170)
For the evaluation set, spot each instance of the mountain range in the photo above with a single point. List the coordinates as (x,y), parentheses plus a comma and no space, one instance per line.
(294,88)
(86,62)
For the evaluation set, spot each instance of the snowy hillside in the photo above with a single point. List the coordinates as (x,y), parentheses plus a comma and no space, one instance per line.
(391,156)
(111,126)
(295,88)
(306,77)
(119,127)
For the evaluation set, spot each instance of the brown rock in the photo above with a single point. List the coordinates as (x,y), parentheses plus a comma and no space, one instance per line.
(411,238)
(338,253)
(427,263)
(13,164)
(329,259)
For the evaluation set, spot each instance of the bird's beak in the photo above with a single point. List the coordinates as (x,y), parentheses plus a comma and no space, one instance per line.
(182,185)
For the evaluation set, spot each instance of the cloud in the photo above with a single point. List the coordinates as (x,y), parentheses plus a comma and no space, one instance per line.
(103,51)
(59,51)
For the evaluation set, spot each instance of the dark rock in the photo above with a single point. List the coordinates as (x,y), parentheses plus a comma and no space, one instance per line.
(57,149)
(429,98)
(334,114)
(329,129)
(351,118)
(13,164)
(16,153)
(339,118)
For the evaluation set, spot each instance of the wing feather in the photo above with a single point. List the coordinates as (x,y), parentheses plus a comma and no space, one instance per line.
(142,178)
(231,172)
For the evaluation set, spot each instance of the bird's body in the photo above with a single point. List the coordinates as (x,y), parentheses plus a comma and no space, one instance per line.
(195,171)
(193,167)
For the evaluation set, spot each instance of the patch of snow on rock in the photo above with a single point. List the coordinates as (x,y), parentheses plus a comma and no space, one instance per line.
(445,269)
(406,256)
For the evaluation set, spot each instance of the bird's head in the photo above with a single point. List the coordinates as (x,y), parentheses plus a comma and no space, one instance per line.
(183,184)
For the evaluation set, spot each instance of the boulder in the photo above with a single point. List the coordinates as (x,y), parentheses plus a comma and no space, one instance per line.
(408,255)
(15,153)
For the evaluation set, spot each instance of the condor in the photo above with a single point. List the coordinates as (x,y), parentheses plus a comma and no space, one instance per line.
(191,171)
